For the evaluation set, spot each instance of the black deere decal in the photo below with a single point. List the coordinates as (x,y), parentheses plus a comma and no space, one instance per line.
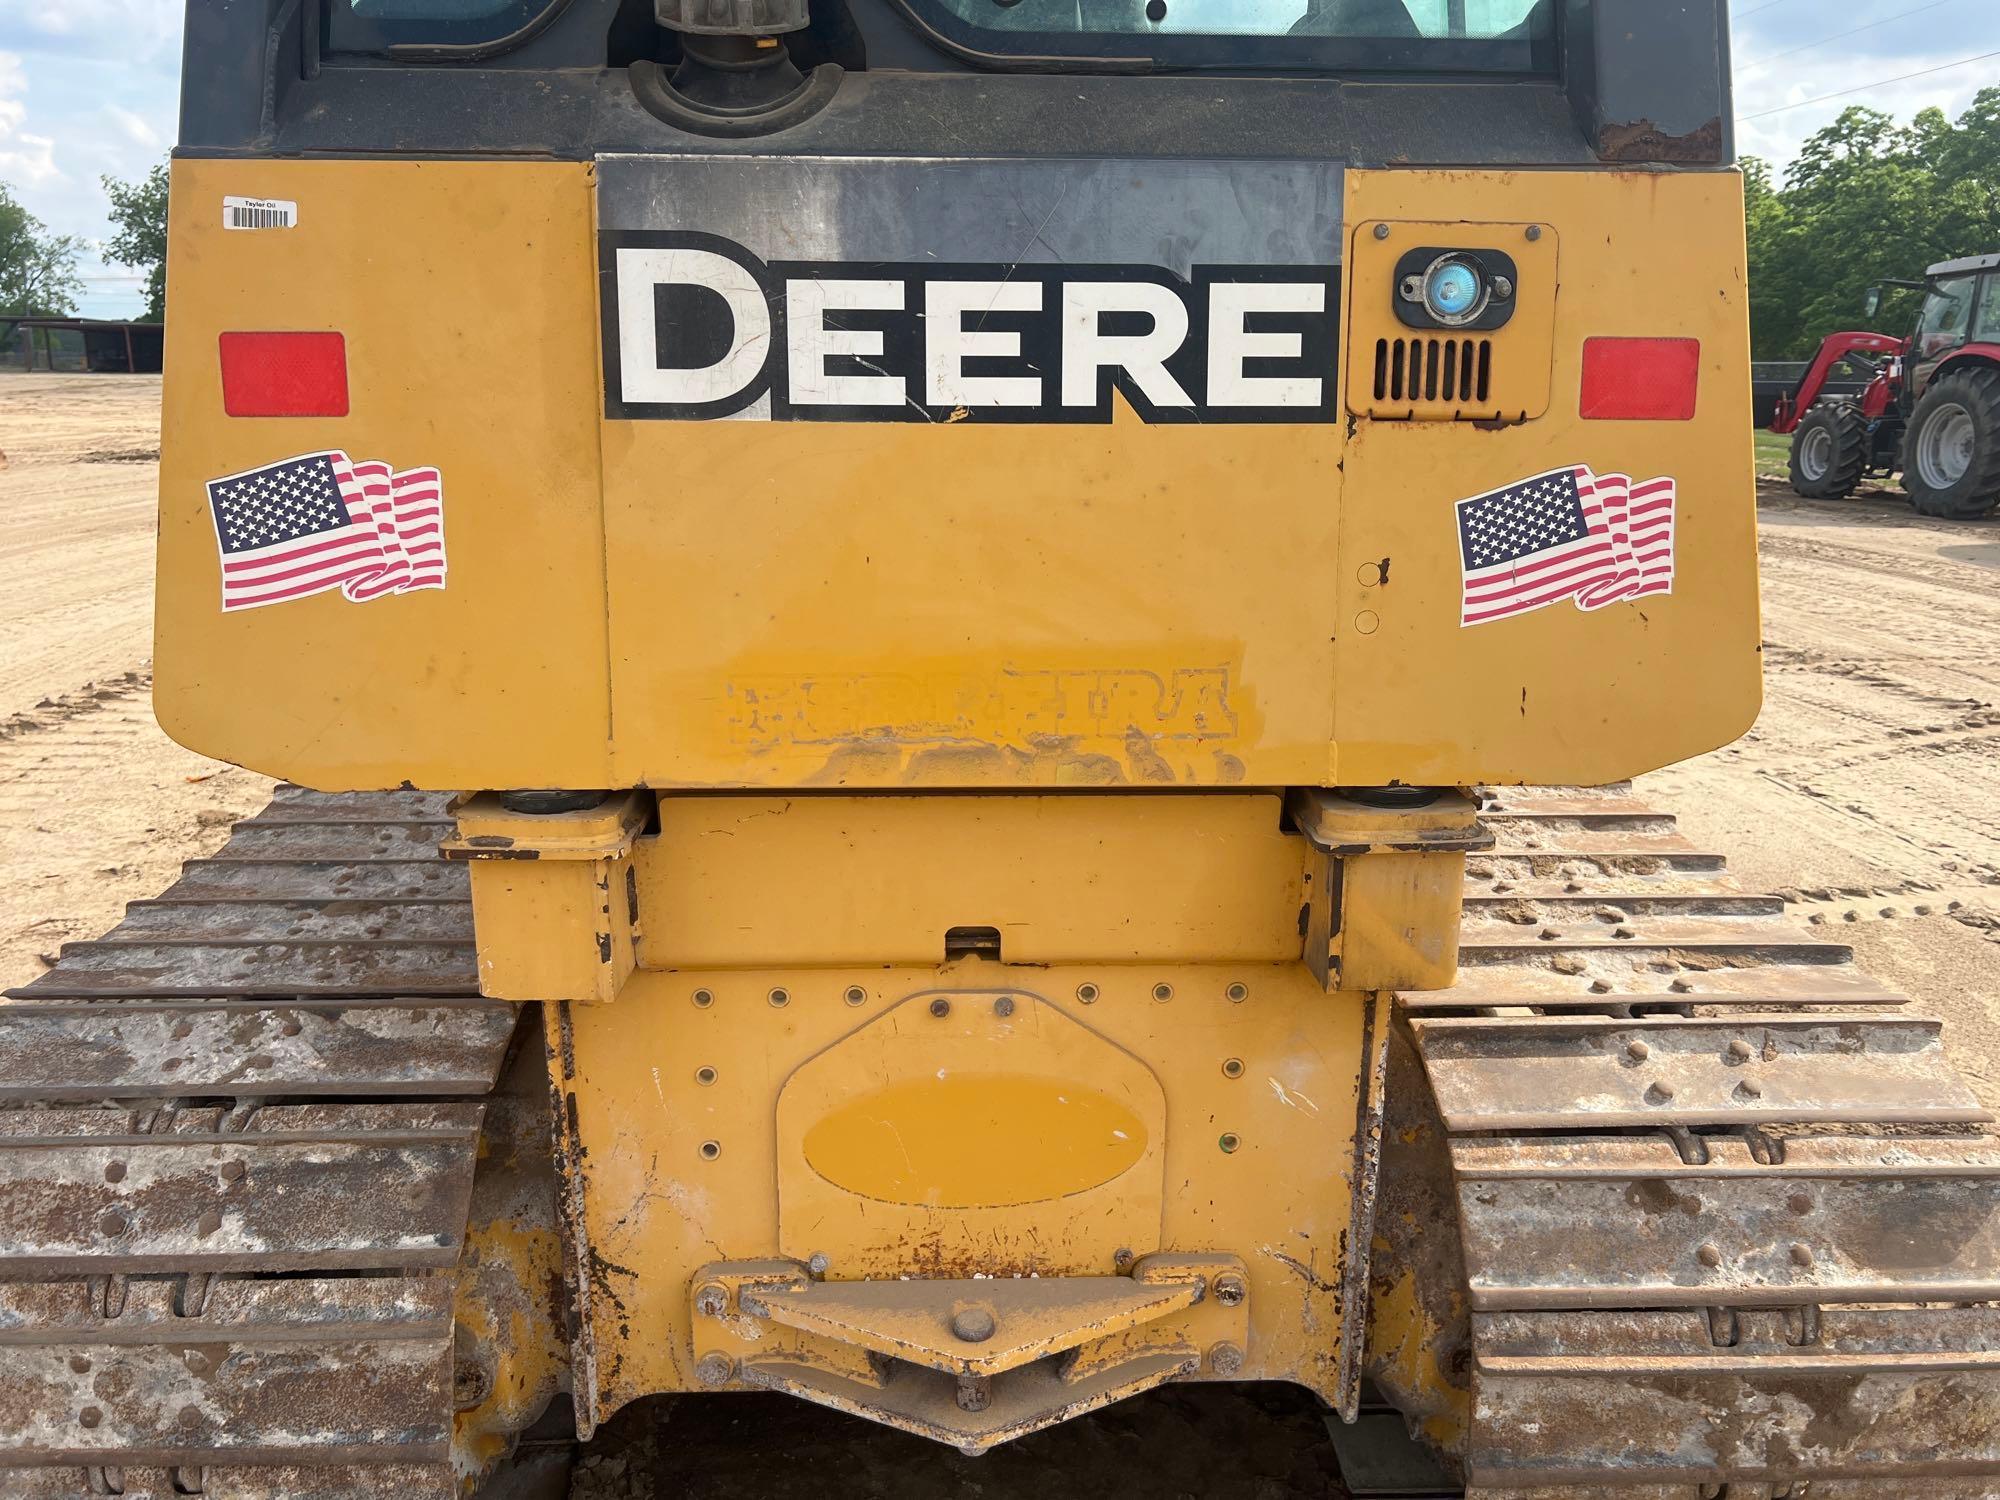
(696,327)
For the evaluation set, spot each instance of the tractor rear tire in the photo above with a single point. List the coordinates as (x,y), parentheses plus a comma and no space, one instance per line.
(1951,463)
(1829,451)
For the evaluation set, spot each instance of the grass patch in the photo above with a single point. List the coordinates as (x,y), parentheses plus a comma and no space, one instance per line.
(1774,455)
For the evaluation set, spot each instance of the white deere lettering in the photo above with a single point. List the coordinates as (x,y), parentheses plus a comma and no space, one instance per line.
(1087,349)
(948,343)
(809,343)
(1231,344)
(641,374)
(691,330)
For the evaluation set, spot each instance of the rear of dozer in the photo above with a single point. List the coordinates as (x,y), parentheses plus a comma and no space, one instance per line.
(885,621)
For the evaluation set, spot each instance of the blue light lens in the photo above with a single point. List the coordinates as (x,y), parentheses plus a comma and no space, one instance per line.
(1453,290)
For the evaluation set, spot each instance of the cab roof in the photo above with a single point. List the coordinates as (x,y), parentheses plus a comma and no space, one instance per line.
(1961,267)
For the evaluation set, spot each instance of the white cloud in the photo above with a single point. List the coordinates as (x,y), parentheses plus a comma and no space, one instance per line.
(24,157)
(135,126)
(1767,128)
(124,29)
(13,84)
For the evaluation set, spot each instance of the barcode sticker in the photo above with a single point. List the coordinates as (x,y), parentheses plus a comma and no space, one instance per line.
(259,213)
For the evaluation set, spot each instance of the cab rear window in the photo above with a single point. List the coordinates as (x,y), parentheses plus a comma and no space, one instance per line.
(372,25)
(1481,36)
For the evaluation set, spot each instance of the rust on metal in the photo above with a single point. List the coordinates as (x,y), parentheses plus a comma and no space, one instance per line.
(1552,1073)
(972,1362)
(1029,1318)
(354,1370)
(304,1187)
(97,1049)
(194,1343)
(1711,1233)
(1358,1250)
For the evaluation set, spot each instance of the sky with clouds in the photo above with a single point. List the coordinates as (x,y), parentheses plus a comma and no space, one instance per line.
(87,88)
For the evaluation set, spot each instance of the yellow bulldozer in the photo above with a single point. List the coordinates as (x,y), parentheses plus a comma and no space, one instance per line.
(954,683)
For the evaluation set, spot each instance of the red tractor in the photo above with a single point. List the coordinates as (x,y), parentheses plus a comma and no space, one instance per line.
(1931,411)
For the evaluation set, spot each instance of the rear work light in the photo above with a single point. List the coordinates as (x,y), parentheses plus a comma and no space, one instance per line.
(284,374)
(1641,380)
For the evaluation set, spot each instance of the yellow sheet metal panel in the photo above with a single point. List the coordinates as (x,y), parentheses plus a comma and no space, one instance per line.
(970,604)
(1560,694)
(554,895)
(951,603)
(465,293)
(677,1090)
(972,1132)
(817,878)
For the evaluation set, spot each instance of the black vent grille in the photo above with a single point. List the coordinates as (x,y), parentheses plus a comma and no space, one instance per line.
(1433,372)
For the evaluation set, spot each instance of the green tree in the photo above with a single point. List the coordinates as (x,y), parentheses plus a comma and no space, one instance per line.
(1867,200)
(139,209)
(37,269)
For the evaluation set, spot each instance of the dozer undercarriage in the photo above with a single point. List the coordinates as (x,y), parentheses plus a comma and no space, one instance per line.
(964,556)
(282,1207)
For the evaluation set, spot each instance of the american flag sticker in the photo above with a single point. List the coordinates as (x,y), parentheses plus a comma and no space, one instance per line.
(1567,536)
(309,525)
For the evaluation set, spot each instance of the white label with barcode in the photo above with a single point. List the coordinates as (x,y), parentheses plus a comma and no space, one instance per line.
(259,213)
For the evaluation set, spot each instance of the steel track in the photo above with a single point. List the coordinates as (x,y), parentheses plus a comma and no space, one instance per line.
(235,1176)
(1729,1219)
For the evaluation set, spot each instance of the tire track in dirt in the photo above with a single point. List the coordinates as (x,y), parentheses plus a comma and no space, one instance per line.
(97,808)
(1869,792)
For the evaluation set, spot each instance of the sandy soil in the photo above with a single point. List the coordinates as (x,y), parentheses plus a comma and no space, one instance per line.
(97,806)
(1869,794)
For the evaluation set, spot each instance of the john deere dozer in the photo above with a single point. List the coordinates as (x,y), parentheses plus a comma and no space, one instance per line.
(954,682)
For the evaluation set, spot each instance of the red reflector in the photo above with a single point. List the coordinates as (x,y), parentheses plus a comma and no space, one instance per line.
(1640,380)
(284,374)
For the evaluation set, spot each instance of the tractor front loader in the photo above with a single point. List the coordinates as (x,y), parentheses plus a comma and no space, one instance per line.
(1930,411)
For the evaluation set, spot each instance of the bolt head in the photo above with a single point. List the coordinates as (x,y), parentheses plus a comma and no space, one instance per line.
(712,1300)
(973,1325)
(818,1264)
(1802,1255)
(1660,1092)
(1638,1051)
(715,1369)
(940,1007)
(1225,1359)
(1230,1290)
(1740,1050)
(1122,1258)
(1004,1006)
(1709,1256)
(1534,233)
(1381,231)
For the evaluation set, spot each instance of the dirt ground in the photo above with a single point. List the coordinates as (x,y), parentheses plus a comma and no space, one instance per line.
(97,806)
(1869,794)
